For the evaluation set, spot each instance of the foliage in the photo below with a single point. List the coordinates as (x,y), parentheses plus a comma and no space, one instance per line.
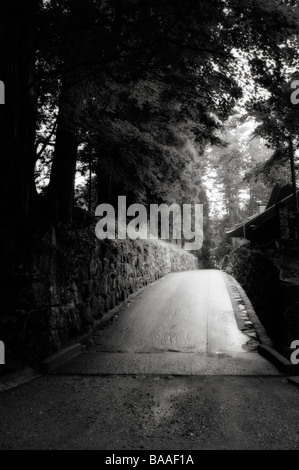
(130,94)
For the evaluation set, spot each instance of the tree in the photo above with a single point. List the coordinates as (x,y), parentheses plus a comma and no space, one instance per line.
(170,49)
(273,73)
(18,115)
(89,53)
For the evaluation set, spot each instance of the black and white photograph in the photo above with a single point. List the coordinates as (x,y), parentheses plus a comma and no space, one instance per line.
(149,236)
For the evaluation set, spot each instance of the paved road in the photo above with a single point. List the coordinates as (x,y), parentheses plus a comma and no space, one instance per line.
(150,412)
(211,394)
(183,324)
(183,312)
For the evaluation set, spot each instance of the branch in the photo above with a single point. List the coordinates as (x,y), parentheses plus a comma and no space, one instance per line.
(47,141)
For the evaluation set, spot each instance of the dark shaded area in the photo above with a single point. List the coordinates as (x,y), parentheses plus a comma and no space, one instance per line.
(270,277)
(259,277)
(161,413)
(128,93)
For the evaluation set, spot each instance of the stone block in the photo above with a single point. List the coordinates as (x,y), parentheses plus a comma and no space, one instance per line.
(93,267)
(102,305)
(95,307)
(86,313)
(113,299)
(108,302)
(106,263)
(103,285)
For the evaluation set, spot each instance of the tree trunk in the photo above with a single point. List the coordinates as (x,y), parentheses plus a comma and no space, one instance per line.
(17,115)
(104,179)
(60,194)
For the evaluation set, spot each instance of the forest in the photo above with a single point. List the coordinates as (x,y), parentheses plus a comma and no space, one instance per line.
(161,102)
(183,341)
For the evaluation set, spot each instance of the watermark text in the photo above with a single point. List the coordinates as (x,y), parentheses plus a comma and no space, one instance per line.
(295,94)
(295,354)
(2,353)
(161,222)
(2,92)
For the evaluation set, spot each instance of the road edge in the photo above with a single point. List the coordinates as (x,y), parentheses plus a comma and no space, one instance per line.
(265,347)
(54,361)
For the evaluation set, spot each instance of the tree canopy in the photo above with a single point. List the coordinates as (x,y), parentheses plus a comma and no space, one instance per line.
(131,92)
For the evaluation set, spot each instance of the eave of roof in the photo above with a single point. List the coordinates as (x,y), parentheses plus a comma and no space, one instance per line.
(259,219)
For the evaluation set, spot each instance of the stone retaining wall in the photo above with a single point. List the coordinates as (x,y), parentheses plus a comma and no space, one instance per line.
(65,281)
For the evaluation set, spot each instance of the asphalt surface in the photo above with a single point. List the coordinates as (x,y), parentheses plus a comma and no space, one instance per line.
(229,398)
(183,324)
(183,312)
(151,413)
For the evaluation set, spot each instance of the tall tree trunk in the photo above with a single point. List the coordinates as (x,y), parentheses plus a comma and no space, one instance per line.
(17,115)
(104,179)
(60,195)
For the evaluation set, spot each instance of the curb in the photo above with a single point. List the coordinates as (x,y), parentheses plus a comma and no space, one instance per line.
(47,366)
(55,360)
(258,327)
(265,347)
(19,377)
(278,360)
(112,314)
(294,380)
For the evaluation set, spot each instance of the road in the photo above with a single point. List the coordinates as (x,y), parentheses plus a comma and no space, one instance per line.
(184,312)
(172,372)
(183,324)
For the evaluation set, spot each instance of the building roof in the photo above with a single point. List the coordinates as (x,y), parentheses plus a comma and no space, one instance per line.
(279,196)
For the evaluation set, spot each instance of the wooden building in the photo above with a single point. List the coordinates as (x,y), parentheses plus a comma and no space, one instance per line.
(276,220)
